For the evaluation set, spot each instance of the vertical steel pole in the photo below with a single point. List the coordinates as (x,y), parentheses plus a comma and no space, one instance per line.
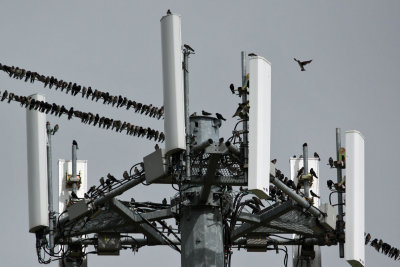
(187,122)
(245,144)
(340,223)
(305,164)
(50,188)
(74,187)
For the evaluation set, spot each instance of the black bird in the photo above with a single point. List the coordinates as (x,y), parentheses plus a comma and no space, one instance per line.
(374,243)
(312,172)
(156,147)
(205,113)
(74,143)
(220,117)
(125,175)
(252,55)
(91,189)
(367,239)
(302,63)
(329,183)
(73,195)
(313,194)
(55,129)
(112,178)
(294,156)
(4,96)
(305,144)
(232,87)
(316,156)
(330,163)
(164,201)
(300,172)
(102,181)
(188,47)
(258,201)
(274,161)
(169,12)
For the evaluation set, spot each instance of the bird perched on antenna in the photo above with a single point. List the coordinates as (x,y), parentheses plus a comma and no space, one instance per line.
(188,48)
(220,117)
(205,113)
(302,63)
(74,143)
(312,172)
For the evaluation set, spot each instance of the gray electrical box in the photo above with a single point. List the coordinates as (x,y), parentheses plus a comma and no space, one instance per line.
(329,221)
(108,244)
(77,209)
(155,166)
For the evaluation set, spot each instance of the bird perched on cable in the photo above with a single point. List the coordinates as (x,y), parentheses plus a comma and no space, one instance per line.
(125,175)
(188,47)
(220,117)
(316,156)
(205,113)
(252,55)
(302,63)
(313,194)
(112,178)
(4,96)
(232,87)
(312,172)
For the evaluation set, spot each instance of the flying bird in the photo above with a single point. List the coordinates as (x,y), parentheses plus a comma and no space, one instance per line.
(302,63)
(188,47)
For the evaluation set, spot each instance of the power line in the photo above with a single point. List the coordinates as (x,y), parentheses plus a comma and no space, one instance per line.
(87,118)
(75,89)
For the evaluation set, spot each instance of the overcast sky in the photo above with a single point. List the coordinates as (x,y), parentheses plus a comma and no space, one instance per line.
(352,83)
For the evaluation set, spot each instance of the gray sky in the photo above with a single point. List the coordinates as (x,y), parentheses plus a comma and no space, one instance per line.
(352,83)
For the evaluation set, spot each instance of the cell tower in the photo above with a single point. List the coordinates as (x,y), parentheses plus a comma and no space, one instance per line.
(229,195)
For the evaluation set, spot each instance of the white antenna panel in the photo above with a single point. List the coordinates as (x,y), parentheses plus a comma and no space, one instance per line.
(37,167)
(354,246)
(259,126)
(174,110)
(64,188)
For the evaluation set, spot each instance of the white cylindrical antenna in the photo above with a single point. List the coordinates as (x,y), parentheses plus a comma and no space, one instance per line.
(354,246)
(37,167)
(259,125)
(174,112)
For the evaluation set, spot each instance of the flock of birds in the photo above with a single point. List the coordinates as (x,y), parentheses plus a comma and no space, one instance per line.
(86,117)
(88,92)
(385,248)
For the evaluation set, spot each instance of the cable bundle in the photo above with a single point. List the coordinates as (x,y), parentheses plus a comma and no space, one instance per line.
(74,88)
